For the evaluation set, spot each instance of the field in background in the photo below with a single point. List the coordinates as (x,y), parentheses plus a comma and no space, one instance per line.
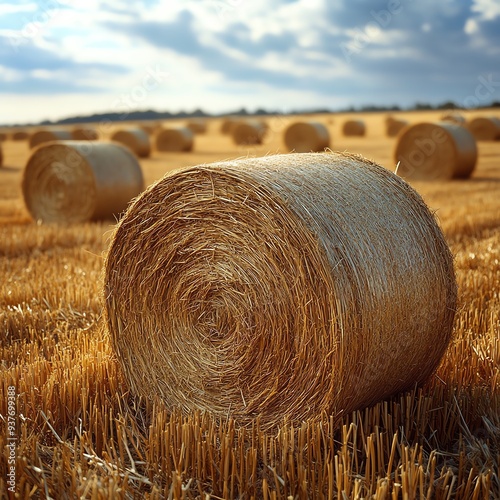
(80,431)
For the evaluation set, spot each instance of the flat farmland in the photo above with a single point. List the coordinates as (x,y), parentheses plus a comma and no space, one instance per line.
(79,432)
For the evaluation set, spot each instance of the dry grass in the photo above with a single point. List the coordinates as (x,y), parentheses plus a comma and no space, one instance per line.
(82,434)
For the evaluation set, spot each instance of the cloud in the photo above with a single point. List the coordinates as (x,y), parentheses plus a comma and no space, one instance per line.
(284,51)
(44,71)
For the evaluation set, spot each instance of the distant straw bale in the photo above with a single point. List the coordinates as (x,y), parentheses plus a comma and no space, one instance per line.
(198,126)
(453,118)
(136,139)
(436,151)
(228,124)
(149,129)
(354,128)
(84,134)
(20,135)
(393,126)
(175,139)
(280,287)
(3,136)
(43,136)
(307,137)
(248,132)
(78,181)
(485,128)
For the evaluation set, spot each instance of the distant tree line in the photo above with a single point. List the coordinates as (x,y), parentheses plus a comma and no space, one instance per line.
(151,114)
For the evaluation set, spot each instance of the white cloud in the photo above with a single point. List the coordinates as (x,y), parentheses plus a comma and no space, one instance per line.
(471,26)
(16,8)
(488,10)
(10,75)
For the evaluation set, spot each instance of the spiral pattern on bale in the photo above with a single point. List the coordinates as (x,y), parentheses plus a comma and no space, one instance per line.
(77,181)
(435,151)
(283,286)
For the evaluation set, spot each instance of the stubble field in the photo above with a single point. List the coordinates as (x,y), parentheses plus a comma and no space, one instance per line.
(79,432)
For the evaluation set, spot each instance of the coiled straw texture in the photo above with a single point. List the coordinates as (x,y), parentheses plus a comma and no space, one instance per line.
(283,286)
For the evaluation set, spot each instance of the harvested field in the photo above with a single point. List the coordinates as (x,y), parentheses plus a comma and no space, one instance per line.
(81,432)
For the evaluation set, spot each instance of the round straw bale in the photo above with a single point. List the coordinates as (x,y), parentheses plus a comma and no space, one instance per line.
(393,127)
(84,134)
(135,139)
(48,136)
(77,181)
(288,285)
(430,151)
(228,124)
(248,132)
(3,136)
(354,128)
(150,129)
(304,137)
(175,139)
(485,128)
(20,135)
(197,126)
(453,118)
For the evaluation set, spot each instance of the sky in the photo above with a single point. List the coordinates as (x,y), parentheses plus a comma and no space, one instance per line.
(61,58)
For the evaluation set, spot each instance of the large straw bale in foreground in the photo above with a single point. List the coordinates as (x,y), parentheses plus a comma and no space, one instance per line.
(248,132)
(175,139)
(306,137)
(485,128)
(136,139)
(43,136)
(279,286)
(76,181)
(354,128)
(436,151)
